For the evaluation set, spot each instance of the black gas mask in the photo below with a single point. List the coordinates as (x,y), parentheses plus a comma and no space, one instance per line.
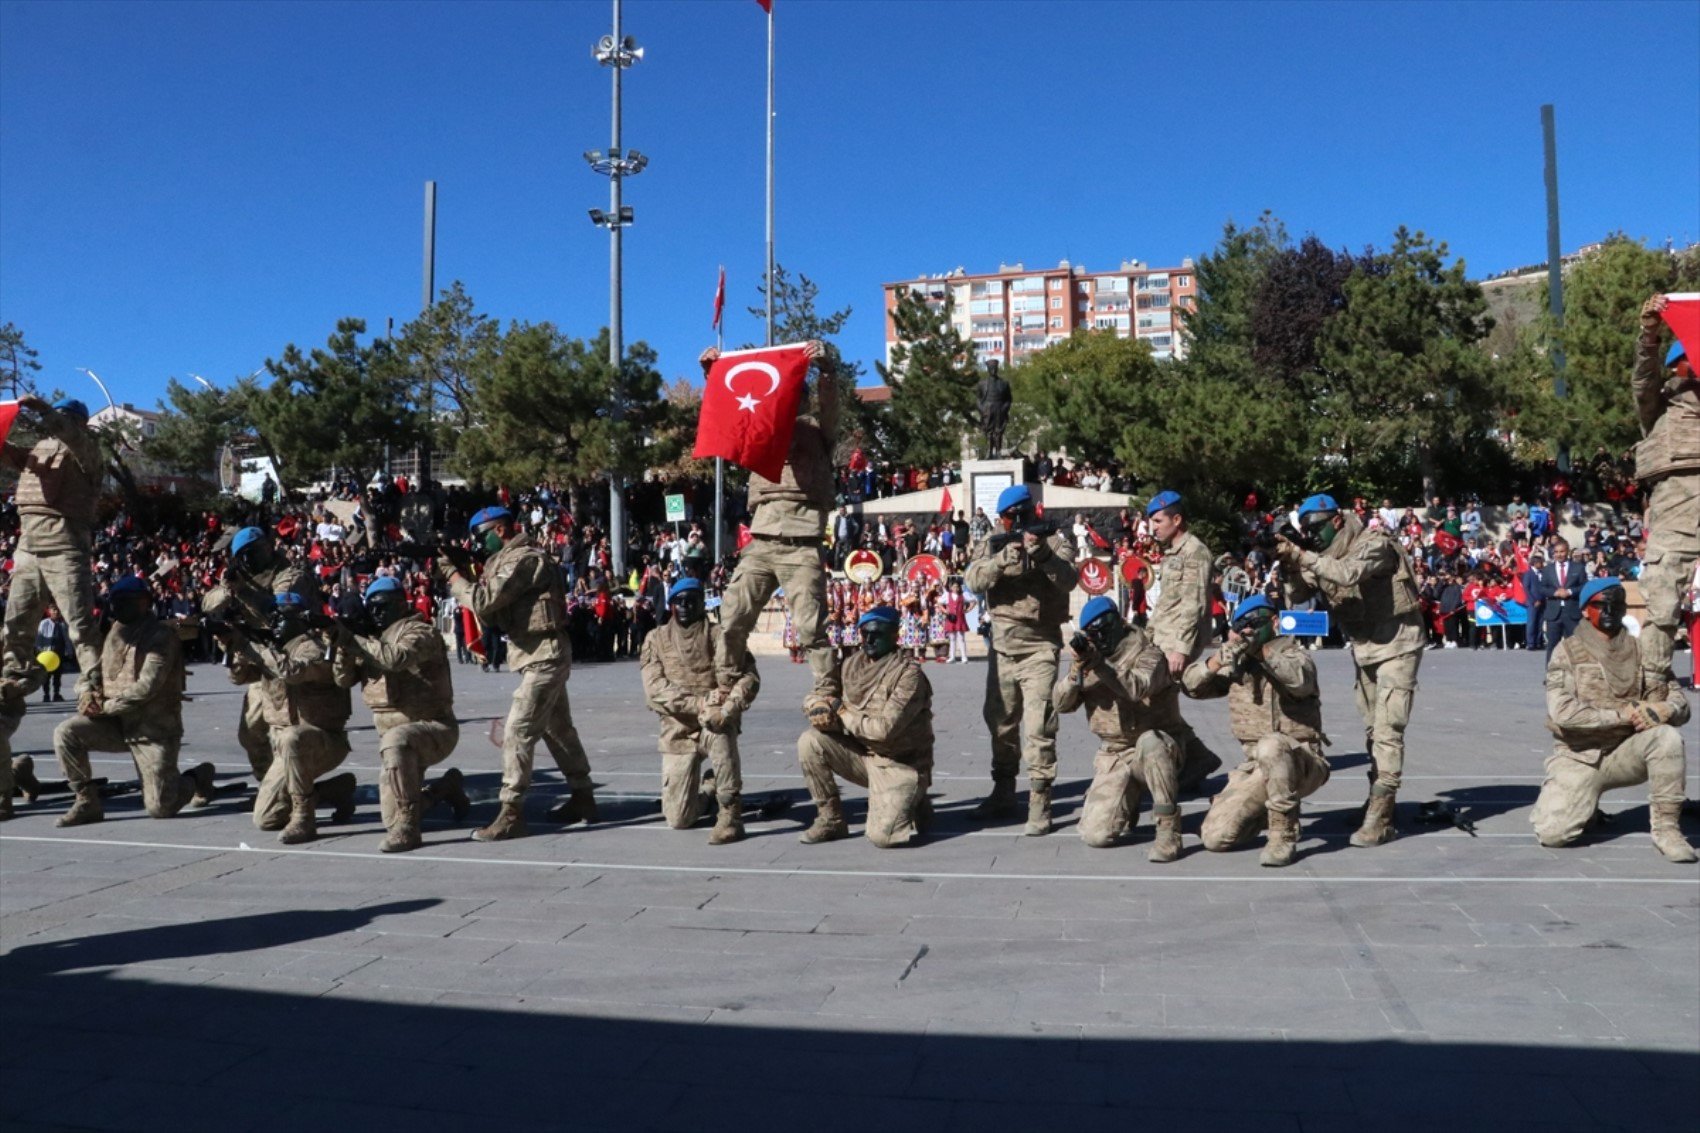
(879,639)
(1318,530)
(688,607)
(1257,628)
(1105,632)
(128,609)
(287,622)
(1607,610)
(384,608)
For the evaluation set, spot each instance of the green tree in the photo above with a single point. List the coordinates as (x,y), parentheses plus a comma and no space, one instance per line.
(932,378)
(18,365)
(544,410)
(341,406)
(1404,379)
(1083,391)
(1219,326)
(194,423)
(445,351)
(1603,293)
(797,318)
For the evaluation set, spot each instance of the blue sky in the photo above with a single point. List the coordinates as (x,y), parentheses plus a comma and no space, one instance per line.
(189,187)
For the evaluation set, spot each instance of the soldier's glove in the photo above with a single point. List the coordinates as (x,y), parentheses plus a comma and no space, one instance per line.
(13,691)
(720,717)
(1288,551)
(91,703)
(718,697)
(1643,716)
(1650,312)
(1233,654)
(822,712)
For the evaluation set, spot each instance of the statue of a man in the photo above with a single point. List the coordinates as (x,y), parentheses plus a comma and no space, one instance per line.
(994,400)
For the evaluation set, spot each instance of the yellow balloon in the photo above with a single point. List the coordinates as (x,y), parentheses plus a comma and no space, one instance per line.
(48,660)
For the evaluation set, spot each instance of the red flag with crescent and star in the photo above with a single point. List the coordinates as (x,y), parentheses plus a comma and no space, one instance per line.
(1682,315)
(749,407)
(8,414)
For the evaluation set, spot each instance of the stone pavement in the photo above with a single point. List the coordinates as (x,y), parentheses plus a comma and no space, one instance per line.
(192,974)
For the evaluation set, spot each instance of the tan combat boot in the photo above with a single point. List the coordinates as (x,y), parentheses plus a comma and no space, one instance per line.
(450,788)
(1378,819)
(1167,847)
(729,826)
(580,806)
(1283,838)
(23,774)
(1000,803)
(199,780)
(303,824)
(5,807)
(337,792)
(85,809)
(509,824)
(1667,833)
(829,824)
(1038,810)
(404,831)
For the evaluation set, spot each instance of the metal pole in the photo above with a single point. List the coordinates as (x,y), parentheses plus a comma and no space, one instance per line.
(616,496)
(1555,269)
(428,294)
(719,467)
(770,175)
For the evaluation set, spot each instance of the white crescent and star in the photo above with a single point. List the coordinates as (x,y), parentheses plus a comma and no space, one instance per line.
(746,402)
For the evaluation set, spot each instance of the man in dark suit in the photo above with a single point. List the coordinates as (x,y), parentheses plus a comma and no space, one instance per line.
(845,530)
(1561,584)
(1535,639)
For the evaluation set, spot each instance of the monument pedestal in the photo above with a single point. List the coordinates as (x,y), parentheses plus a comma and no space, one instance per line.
(984,480)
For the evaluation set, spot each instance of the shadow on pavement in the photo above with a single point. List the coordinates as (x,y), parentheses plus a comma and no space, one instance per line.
(91,1050)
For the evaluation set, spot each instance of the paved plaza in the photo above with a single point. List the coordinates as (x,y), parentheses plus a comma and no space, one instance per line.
(192,974)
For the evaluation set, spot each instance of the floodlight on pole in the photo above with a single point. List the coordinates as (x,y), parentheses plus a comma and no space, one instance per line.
(110,404)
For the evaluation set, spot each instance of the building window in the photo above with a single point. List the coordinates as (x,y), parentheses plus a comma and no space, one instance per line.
(1028,283)
(1117,285)
(1056,302)
(1057,284)
(1056,322)
(1183,280)
(1084,287)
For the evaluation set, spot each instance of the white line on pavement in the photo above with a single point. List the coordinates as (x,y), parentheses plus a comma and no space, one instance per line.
(776,871)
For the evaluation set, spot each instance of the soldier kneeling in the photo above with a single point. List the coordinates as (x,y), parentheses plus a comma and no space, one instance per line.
(879,736)
(1276,714)
(405,666)
(1616,726)
(307,714)
(139,710)
(1122,679)
(699,719)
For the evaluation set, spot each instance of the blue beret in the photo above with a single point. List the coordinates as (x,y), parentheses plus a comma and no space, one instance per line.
(488,515)
(244,537)
(683,586)
(384,584)
(1251,605)
(1597,586)
(1014,497)
(288,600)
(72,406)
(1162,501)
(1319,502)
(127,586)
(1095,609)
(1676,353)
(878,614)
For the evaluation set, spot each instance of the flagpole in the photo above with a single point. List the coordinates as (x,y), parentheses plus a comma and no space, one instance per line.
(719,461)
(769,7)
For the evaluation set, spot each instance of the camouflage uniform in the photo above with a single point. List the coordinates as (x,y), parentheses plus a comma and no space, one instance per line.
(1181,623)
(678,674)
(307,714)
(142,670)
(407,686)
(1592,683)
(1667,462)
(13,694)
(1028,602)
(786,529)
(58,489)
(1130,703)
(883,741)
(1371,592)
(520,594)
(1276,714)
(248,602)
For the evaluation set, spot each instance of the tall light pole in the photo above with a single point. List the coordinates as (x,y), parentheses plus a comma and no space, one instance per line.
(618,52)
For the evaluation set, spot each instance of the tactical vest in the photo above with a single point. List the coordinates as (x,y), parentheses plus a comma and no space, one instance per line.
(423,693)
(62,479)
(1673,443)
(807,476)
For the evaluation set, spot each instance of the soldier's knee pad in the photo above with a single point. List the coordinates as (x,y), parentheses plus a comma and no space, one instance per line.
(1667,741)
(1268,749)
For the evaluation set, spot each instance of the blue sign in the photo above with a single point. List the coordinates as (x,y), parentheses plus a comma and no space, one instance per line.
(1508,613)
(1302,623)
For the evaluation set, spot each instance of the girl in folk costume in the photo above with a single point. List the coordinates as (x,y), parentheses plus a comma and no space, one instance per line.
(938,634)
(955,608)
(835,618)
(912,632)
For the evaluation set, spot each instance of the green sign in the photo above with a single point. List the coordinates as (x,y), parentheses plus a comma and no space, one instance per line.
(675,508)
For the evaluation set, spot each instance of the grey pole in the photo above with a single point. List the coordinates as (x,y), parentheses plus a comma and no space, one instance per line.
(770,174)
(1555,268)
(428,294)
(616,332)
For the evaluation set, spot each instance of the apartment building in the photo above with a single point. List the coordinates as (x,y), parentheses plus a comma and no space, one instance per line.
(1013,312)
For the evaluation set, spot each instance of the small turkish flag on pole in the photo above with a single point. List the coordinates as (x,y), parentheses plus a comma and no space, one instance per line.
(8,414)
(749,407)
(1682,315)
(719,298)
(945,502)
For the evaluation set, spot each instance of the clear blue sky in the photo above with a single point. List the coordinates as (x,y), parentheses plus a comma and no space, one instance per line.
(189,187)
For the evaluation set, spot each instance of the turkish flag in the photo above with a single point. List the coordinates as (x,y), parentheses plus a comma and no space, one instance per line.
(946,504)
(719,299)
(8,414)
(1682,313)
(749,407)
